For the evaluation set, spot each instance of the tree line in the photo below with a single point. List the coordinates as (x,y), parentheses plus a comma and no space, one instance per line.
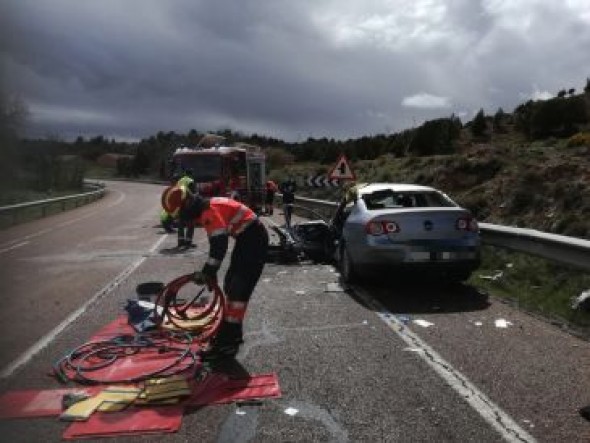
(49,163)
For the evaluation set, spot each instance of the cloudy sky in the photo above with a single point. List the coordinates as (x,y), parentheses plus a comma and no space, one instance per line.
(290,69)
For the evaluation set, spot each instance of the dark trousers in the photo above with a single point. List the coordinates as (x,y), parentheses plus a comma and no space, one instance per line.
(288,210)
(186,232)
(246,264)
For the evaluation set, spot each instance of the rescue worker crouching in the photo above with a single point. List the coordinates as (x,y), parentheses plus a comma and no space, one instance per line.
(221,218)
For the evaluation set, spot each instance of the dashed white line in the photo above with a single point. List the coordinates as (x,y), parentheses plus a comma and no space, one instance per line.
(47,339)
(488,410)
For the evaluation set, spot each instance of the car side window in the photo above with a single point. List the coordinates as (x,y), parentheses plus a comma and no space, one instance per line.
(405,200)
(421,201)
(380,200)
(436,200)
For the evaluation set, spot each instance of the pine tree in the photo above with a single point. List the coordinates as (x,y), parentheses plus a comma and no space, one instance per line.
(479,124)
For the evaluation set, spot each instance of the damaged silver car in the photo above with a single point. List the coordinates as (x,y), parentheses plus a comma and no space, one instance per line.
(383,227)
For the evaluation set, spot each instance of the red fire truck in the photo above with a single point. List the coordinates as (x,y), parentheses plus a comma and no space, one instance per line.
(226,171)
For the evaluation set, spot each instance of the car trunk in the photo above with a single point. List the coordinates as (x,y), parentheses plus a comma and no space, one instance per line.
(426,224)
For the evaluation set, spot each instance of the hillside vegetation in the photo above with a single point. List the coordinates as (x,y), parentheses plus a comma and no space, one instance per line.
(527,168)
(535,186)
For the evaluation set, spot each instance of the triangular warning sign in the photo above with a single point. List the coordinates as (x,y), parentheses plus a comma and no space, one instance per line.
(342,170)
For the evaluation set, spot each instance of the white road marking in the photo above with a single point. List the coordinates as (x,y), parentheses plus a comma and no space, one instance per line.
(10,248)
(63,224)
(47,339)
(488,410)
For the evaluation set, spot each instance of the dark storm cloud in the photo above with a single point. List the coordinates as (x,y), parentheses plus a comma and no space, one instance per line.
(282,68)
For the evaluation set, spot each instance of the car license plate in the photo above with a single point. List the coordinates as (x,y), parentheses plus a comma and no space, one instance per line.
(420,255)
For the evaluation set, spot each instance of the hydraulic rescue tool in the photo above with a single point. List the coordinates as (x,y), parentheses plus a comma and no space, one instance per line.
(173,346)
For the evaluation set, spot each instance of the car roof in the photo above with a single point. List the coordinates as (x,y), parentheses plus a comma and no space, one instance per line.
(396,187)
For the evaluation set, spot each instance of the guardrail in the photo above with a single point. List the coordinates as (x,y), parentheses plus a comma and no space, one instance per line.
(11,215)
(562,249)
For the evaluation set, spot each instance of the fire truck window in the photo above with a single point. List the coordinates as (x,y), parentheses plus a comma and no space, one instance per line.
(241,164)
(204,167)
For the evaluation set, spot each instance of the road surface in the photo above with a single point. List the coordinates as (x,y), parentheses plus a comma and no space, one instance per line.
(378,363)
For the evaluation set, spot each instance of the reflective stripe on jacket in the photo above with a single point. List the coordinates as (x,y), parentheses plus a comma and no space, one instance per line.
(226,216)
(223,217)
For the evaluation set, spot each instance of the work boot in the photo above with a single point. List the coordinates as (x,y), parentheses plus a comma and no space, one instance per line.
(225,344)
(185,244)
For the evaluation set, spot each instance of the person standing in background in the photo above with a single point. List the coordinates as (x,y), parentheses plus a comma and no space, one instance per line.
(271,188)
(186,228)
(288,189)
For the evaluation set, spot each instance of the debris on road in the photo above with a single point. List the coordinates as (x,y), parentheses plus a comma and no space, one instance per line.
(501,323)
(423,323)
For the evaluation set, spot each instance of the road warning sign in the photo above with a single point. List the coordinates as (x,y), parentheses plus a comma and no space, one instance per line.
(342,170)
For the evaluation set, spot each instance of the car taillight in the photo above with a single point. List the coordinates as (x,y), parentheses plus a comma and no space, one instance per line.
(380,227)
(467,224)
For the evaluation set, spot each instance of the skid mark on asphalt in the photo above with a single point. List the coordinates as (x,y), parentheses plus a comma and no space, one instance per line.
(313,412)
(26,356)
(239,428)
(488,410)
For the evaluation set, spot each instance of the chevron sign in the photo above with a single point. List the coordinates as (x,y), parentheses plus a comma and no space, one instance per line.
(321,181)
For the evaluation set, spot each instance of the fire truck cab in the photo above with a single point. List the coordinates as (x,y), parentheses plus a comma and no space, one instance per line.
(225,171)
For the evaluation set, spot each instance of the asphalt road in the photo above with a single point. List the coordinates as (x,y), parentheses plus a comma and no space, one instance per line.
(382,362)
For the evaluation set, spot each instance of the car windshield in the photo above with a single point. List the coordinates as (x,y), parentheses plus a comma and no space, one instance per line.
(388,198)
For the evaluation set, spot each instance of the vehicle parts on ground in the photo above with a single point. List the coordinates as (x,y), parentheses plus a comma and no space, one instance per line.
(308,240)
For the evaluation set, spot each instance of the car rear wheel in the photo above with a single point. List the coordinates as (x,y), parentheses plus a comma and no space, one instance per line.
(346,266)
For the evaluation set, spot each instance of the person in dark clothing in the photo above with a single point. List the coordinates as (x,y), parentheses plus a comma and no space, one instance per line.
(288,189)
(221,218)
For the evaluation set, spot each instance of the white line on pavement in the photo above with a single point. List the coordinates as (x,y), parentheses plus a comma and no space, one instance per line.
(63,224)
(488,410)
(47,339)
(18,245)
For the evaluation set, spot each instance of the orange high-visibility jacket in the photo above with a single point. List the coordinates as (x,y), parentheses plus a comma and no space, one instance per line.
(222,218)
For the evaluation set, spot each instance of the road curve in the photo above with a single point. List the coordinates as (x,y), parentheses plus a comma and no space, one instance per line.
(383,362)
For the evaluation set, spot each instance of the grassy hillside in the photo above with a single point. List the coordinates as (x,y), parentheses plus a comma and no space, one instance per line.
(542,185)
